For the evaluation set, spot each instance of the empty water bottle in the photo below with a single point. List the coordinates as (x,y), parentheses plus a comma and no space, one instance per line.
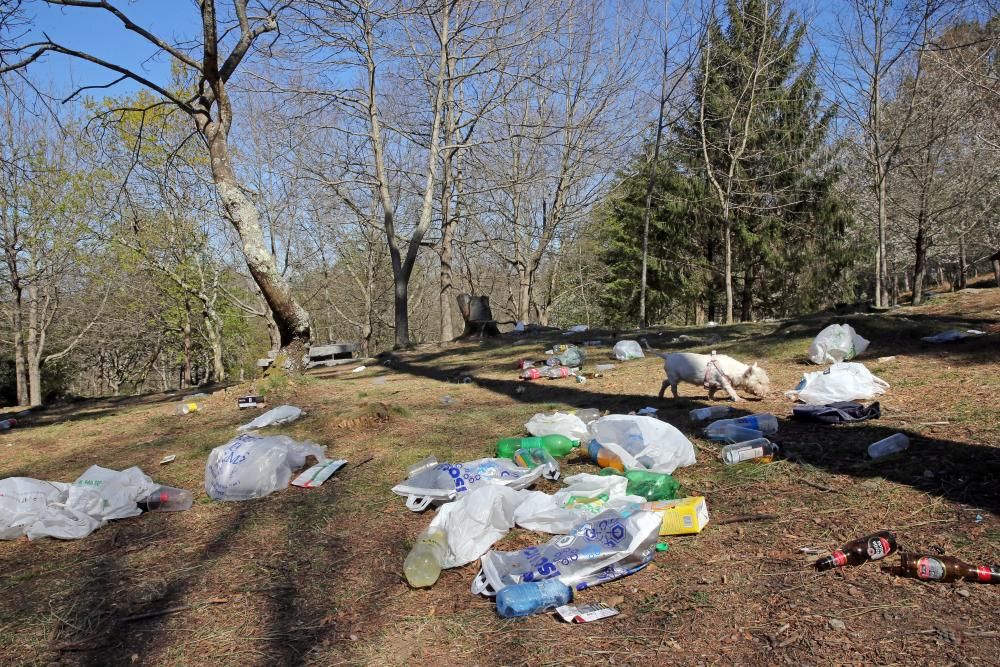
(533,597)
(167,499)
(187,407)
(422,566)
(531,458)
(712,412)
(760,448)
(891,445)
(727,431)
(588,415)
(764,422)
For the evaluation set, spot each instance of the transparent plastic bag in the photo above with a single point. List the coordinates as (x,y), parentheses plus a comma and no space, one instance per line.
(279,415)
(556,423)
(608,546)
(628,349)
(836,343)
(584,496)
(253,465)
(644,443)
(432,482)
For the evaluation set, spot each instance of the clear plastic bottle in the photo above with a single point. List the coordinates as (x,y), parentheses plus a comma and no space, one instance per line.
(764,422)
(760,448)
(887,446)
(422,566)
(187,407)
(532,597)
(727,431)
(167,499)
(712,412)
(588,415)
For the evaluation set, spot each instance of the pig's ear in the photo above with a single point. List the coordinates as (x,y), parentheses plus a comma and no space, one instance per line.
(754,365)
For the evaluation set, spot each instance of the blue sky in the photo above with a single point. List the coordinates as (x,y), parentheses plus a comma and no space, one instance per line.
(99,33)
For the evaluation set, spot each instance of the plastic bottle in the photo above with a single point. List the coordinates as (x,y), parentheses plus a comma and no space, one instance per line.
(765,423)
(8,424)
(187,407)
(554,444)
(604,457)
(946,568)
(532,597)
(167,499)
(891,445)
(861,550)
(650,485)
(712,412)
(532,458)
(758,448)
(422,566)
(726,431)
(551,372)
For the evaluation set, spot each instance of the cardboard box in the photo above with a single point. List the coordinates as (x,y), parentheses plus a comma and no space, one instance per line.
(684,516)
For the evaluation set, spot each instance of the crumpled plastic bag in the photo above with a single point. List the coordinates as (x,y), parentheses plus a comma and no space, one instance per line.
(585,496)
(253,465)
(475,522)
(557,423)
(644,443)
(572,357)
(847,381)
(836,343)
(279,415)
(431,482)
(37,508)
(952,335)
(627,349)
(608,546)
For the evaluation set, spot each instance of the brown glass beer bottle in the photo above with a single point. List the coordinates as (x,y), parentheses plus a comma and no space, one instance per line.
(946,568)
(862,550)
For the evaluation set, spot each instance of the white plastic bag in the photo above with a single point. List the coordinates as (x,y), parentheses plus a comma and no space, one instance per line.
(836,343)
(585,496)
(431,482)
(474,522)
(605,547)
(840,382)
(279,415)
(644,443)
(556,423)
(70,511)
(628,349)
(23,500)
(253,466)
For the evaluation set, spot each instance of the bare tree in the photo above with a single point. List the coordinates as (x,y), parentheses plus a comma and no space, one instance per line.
(210,108)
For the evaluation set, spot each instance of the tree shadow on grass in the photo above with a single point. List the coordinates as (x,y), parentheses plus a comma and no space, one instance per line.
(961,472)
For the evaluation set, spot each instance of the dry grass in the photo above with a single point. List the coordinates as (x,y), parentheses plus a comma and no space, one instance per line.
(314,576)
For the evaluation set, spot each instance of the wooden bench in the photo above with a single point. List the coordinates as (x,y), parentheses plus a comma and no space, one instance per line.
(332,355)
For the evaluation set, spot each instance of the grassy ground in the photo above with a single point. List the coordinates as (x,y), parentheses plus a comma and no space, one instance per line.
(314,576)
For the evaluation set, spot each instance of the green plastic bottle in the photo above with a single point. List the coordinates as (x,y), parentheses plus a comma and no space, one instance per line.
(555,444)
(650,485)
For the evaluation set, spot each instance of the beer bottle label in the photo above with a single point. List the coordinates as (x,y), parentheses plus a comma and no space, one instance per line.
(986,573)
(839,558)
(930,569)
(878,548)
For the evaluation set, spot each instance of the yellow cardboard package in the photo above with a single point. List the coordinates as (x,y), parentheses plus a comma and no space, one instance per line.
(684,516)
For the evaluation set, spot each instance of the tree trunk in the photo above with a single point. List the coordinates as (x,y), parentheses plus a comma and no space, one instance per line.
(213,331)
(729,268)
(963,267)
(291,319)
(996,270)
(525,279)
(20,360)
(919,267)
(186,379)
(940,276)
(402,315)
(746,305)
(446,253)
(34,352)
